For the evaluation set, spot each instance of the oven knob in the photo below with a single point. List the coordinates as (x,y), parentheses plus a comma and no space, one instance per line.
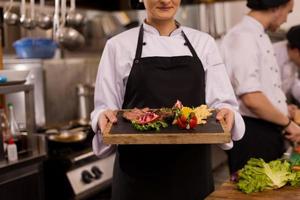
(86,176)
(97,172)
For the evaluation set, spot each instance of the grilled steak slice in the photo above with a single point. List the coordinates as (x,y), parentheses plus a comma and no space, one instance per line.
(145,115)
(135,113)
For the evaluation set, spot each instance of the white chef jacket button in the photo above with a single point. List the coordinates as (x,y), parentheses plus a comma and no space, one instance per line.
(271,68)
(279,101)
(268,51)
(260,35)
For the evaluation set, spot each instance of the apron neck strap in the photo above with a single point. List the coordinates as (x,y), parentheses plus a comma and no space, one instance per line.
(189,45)
(140,44)
(139,48)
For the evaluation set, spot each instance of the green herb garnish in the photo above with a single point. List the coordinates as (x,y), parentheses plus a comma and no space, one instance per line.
(149,126)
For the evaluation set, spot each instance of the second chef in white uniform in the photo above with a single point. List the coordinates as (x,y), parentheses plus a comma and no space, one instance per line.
(252,66)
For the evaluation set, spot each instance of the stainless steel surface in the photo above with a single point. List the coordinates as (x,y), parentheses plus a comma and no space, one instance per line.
(74,18)
(55,81)
(83,156)
(35,77)
(106,167)
(85,93)
(29,102)
(44,19)
(61,79)
(28,22)
(67,37)
(10,17)
(68,137)
(70,38)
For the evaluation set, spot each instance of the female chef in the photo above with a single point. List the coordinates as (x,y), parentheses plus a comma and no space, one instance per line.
(252,66)
(153,66)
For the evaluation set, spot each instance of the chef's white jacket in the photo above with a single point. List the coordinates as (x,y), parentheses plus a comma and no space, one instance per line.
(117,59)
(288,71)
(251,64)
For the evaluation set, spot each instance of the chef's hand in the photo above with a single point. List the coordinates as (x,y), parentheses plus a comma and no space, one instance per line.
(292,110)
(105,117)
(293,132)
(228,116)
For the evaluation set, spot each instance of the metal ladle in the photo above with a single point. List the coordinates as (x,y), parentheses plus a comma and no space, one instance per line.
(74,19)
(10,18)
(69,38)
(44,21)
(28,23)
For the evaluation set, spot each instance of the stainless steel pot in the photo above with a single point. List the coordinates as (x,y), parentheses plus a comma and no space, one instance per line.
(85,94)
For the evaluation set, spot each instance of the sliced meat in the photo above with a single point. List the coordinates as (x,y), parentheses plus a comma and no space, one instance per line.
(135,113)
(148,117)
(145,115)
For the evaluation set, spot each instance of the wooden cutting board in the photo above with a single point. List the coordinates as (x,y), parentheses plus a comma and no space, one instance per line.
(213,132)
(228,191)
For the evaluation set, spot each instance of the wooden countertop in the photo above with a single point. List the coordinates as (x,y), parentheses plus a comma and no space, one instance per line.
(228,191)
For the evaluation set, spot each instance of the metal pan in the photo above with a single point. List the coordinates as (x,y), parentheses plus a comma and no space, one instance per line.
(68,136)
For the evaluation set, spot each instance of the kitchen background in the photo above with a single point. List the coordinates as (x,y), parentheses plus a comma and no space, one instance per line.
(64,84)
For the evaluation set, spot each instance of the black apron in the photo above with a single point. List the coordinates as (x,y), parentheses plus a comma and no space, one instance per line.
(163,172)
(262,139)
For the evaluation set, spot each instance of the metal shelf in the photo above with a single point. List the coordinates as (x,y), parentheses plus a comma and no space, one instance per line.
(6,89)
(28,90)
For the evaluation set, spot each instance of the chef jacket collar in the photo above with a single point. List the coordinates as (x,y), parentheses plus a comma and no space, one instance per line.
(152,30)
(255,24)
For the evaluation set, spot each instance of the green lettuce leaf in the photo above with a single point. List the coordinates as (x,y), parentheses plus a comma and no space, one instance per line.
(257,175)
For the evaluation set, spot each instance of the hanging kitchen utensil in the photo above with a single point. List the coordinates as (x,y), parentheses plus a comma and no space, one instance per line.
(44,20)
(74,19)
(67,37)
(28,22)
(55,20)
(10,17)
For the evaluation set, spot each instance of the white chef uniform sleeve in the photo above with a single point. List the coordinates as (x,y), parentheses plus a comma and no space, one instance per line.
(240,55)
(107,95)
(219,92)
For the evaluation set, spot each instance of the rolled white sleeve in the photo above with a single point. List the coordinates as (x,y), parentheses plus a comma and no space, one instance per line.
(219,92)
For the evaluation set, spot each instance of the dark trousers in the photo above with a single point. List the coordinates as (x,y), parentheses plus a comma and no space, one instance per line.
(262,139)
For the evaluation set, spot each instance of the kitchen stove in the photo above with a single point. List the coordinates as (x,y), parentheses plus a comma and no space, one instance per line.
(72,171)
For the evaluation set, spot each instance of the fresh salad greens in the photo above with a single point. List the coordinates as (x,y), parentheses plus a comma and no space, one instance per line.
(149,126)
(257,175)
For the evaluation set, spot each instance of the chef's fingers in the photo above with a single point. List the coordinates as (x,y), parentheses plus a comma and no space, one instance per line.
(293,137)
(292,110)
(105,117)
(111,116)
(228,117)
